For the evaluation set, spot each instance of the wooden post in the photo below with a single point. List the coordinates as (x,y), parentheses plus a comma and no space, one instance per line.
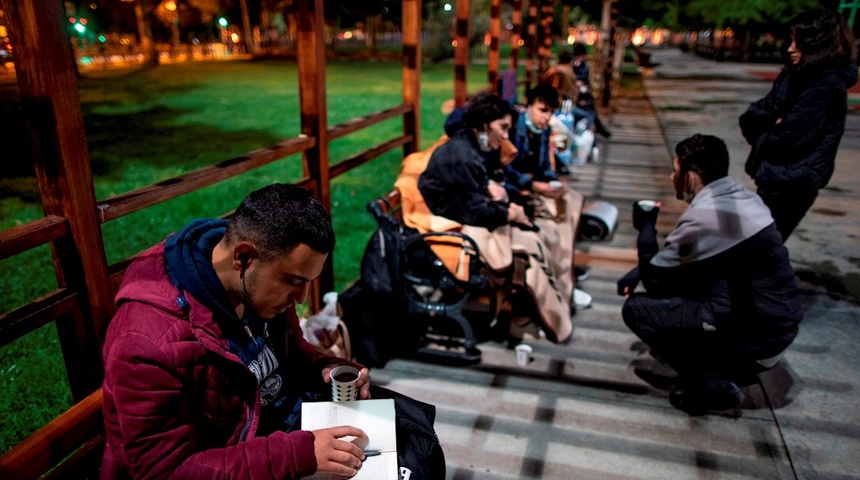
(531,42)
(411,28)
(49,95)
(565,24)
(545,49)
(312,95)
(516,38)
(495,32)
(461,52)
(610,54)
(516,33)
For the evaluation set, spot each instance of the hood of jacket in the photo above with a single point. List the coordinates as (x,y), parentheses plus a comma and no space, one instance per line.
(177,273)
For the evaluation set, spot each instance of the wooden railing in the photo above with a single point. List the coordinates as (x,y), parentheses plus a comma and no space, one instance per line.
(71,445)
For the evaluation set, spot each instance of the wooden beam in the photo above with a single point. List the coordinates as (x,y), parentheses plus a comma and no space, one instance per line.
(531,42)
(25,237)
(360,123)
(79,430)
(150,195)
(312,94)
(363,157)
(545,48)
(23,320)
(47,81)
(516,33)
(495,32)
(412,55)
(461,52)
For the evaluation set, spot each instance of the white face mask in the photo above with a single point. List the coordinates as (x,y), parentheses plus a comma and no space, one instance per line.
(531,126)
(688,193)
(484,141)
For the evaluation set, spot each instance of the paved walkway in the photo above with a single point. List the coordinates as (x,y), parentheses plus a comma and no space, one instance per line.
(578,411)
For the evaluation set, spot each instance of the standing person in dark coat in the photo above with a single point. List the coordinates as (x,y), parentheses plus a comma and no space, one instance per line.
(721,302)
(795,130)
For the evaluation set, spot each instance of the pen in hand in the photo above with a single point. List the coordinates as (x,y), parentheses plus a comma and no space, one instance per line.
(372,453)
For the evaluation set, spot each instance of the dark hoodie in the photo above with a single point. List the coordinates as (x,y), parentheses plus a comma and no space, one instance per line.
(799,152)
(188,255)
(177,401)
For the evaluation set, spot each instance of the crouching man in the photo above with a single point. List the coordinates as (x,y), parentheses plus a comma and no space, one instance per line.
(721,304)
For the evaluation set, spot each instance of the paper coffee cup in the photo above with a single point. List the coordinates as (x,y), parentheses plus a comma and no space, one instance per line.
(524,354)
(344,380)
(646,205)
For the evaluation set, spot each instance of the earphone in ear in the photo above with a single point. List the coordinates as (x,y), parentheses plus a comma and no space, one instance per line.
(243,259)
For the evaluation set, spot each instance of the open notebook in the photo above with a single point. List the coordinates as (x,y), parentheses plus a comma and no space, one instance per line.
(375,417)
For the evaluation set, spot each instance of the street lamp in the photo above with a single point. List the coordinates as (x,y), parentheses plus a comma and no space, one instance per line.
(222,22)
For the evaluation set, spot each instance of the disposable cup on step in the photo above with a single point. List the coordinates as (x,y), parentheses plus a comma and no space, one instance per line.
(524,354)
(344,383)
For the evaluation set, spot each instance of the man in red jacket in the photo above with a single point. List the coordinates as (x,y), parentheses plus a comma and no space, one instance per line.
(205,363)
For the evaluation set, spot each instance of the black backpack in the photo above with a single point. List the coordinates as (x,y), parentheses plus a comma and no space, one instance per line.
(419,454)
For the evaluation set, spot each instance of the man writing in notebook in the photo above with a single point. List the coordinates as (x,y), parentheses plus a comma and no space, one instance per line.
(205,363)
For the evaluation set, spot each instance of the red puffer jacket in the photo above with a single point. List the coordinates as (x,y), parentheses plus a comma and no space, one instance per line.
(178,404)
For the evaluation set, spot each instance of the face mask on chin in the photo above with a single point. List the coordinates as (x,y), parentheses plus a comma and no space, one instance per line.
(531,126)
(688,194)
(484,141)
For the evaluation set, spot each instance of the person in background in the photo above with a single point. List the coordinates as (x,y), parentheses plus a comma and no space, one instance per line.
(794,131)
(572,137)
(720,302)
(531,181)
(205,362)
(579,62)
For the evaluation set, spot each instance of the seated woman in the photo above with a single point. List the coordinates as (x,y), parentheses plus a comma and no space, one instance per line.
(465,184)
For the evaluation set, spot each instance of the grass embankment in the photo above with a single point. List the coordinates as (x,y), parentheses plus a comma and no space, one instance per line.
(147,126)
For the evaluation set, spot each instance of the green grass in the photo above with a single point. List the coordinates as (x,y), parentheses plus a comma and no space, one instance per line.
(147,126)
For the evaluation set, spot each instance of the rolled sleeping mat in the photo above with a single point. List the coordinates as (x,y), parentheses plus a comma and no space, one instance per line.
(598,221)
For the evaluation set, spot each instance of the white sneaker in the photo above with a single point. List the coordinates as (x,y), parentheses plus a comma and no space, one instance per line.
(581,299)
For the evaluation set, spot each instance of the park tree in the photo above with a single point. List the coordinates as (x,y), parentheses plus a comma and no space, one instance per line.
(142,11)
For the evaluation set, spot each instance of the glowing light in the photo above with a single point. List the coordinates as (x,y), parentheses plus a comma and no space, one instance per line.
(102,38)
(521,43)
(447,7)
(222,21)
(83,21)
(638,37)
(454,43)
(235,38)
(657,37)
(347,35)
(571,39)
(80,28)
(170,5)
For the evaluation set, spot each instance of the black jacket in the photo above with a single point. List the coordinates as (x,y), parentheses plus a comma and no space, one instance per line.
(798,153)
(454,185)
(750,291)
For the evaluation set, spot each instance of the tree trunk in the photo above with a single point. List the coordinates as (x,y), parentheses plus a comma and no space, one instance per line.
(144,31)
(373,24)
(246,26)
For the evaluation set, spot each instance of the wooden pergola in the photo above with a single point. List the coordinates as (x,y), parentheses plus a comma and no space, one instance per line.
(71,445)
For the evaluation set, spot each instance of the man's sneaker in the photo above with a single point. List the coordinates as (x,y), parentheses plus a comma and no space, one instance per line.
(713,395)
(580,273)
(581,299)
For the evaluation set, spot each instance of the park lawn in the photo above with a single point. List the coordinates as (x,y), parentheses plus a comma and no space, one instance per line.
(151,125)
